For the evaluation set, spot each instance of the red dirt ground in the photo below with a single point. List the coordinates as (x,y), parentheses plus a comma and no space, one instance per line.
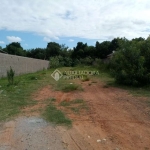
(115,119)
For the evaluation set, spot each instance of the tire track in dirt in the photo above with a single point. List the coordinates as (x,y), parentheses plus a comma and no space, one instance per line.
(114,120)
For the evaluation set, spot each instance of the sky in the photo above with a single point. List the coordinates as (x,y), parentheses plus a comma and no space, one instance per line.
(34,23)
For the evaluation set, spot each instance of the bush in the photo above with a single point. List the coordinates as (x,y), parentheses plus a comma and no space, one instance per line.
(10,76)
(98,63)
(54,62)
(128,65)
(59,61)
(87,61)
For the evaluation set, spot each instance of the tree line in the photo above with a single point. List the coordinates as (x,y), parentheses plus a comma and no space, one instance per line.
(129,65)
(82,50)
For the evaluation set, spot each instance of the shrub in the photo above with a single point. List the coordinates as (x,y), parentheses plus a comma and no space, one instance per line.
(69,87)
(10,76)
(128,65)
(54,62)
(59,61)
(87,61)
(98,63)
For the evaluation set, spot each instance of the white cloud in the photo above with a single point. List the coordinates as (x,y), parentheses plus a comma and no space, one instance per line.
(46,39)
(13,39)
(2,42)
(56,38)
(93,19)
(71,40)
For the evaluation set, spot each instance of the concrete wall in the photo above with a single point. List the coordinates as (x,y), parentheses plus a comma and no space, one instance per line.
(21,65)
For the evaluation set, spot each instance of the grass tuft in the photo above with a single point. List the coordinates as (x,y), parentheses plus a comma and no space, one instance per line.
(85,78)
(56,116)
(69,87)
(65,103)
(75,105)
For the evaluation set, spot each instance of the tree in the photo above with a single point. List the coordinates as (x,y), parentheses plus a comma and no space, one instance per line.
(54,62)
(15,48)
(39,53)
(53,49)
(103,49)
(145,51)
(128,65)
(115,43)
(79,51)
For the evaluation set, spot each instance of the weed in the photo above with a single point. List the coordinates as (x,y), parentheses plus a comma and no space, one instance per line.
(78,108)
(52,99)
(75,109)
(77,101)
(56,116)
(10,76)
(65,103)
(69,87)
(75,105)
(33,77)
(18,95)
(85,78)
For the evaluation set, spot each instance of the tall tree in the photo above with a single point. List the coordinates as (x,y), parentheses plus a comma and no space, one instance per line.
(79,50)
(53,49)
(103,49)
(15,48)
(39,53)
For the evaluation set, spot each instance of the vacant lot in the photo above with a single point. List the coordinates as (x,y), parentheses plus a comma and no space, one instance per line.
(95,115)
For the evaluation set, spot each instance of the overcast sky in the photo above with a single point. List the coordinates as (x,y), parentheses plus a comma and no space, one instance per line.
(33,23)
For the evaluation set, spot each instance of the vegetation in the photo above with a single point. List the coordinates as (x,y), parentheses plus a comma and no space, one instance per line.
(17,96)
(75,105)
(56,116)
(10,76)
(68,103)
(129,64)
(14,97)
(69,87)
(85,78)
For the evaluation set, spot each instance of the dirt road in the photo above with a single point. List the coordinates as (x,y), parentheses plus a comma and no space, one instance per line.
(115,120)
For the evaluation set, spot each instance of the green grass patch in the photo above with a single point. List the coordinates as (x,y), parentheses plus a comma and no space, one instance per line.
(85,78)
(78,108)
(56,116)
(77,101)
(75,105)
(16,96)
(136,91)
(52,99)
(75,109)
(69,87)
